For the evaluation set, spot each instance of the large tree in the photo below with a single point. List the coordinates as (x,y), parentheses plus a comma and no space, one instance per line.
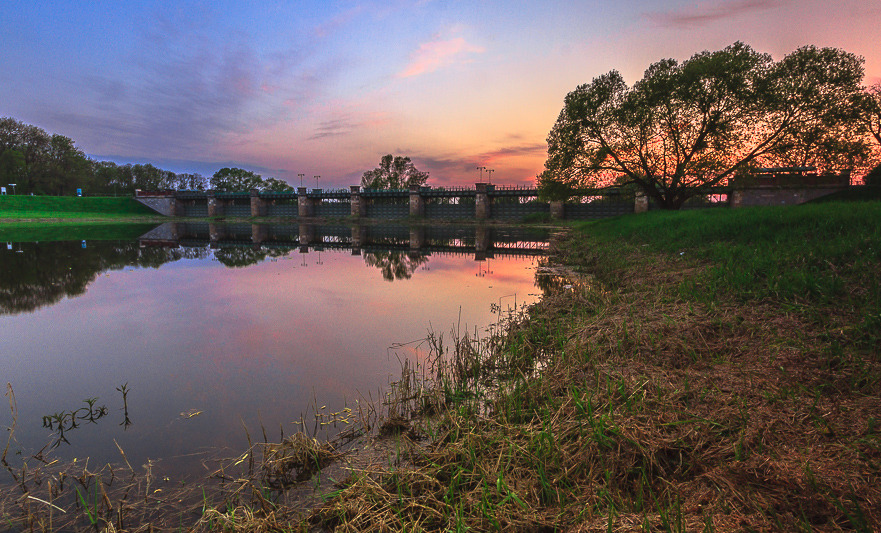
(696,124)
(872,117)
(394,172)
(235,179)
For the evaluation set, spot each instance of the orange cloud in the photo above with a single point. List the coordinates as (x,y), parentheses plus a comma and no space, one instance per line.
(436,54)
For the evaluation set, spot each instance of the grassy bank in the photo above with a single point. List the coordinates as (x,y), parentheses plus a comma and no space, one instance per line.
(702,371)
(59,230)
(21,207)
(713,370)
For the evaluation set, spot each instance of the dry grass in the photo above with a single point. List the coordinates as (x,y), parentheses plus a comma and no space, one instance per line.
(648,412)
(615,404)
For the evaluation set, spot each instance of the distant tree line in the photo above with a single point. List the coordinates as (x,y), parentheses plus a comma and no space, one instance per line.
(40,163)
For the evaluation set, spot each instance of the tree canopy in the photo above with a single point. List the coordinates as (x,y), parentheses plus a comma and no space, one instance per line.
(241,180)
(697,124)
(394,172)
(40,163)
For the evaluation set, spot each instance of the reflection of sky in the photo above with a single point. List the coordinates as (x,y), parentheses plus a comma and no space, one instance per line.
(252,345)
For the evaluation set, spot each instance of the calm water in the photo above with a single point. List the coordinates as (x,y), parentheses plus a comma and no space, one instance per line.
(202,321)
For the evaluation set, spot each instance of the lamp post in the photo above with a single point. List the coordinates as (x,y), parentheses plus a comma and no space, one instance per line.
(489,174)
(481,169)
(316,181)
(301,178)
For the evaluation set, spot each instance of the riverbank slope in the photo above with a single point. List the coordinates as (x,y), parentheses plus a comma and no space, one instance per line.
(715,370)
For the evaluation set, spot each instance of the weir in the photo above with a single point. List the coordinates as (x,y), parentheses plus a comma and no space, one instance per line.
(776,186)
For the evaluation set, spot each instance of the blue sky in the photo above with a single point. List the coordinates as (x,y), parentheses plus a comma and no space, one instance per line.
(327,88)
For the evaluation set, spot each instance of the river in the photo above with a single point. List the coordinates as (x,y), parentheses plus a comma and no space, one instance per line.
(186,341)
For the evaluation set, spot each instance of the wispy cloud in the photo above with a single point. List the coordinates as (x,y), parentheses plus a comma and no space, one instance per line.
(438,53)
(709,12)
(347,122)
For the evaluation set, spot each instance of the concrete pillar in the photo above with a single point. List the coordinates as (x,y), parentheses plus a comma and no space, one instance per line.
(558,211)
(481,203)
(359,203)
(417,237)
(215,232)
(641,203)
(305,205)
(417,203)
(481,242)
(258,205)
(735,198)
(359,237)
(307,234)
(258,233)
(212,204)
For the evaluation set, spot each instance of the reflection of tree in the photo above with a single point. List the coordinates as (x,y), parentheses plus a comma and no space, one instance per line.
(547,279)
(44,273)
(242,256)
(237,257)
(394,264)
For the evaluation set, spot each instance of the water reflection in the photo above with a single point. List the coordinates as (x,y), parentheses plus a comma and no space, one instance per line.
(232,327)
(40,274)
(395,265)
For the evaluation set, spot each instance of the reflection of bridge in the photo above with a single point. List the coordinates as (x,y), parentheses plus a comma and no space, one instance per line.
(483,241)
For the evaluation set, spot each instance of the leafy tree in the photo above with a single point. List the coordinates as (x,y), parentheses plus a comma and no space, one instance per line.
(235,179)
(872,117)
(393,173)
(276,185)
(190,182)
(699,123)
(12,167)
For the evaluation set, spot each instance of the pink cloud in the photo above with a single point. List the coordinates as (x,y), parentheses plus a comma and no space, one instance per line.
(699,15)
(436,54)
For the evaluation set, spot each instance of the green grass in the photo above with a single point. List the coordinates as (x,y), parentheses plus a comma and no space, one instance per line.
(813,253)
(78,230)
(70,207)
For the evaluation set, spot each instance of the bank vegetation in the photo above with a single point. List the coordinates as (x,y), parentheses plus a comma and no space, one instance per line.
(713,370)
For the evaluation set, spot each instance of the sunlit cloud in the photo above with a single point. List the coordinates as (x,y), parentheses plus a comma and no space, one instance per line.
(707,13)
(343,123)
(438,53)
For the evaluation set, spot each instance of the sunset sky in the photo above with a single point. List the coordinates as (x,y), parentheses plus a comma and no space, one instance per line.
(327,88)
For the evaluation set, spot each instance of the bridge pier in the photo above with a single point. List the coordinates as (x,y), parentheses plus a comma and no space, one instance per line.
(258,205)
(481,203)
(359,203)
(305,205)
(641,203)
(417,203)
(212,203)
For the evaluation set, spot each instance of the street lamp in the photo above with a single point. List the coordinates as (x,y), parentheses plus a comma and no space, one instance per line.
(481,169)
(301,178)
(316,181)
(489,173)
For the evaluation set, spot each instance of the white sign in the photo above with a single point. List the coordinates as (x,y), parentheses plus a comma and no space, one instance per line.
(2,190)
